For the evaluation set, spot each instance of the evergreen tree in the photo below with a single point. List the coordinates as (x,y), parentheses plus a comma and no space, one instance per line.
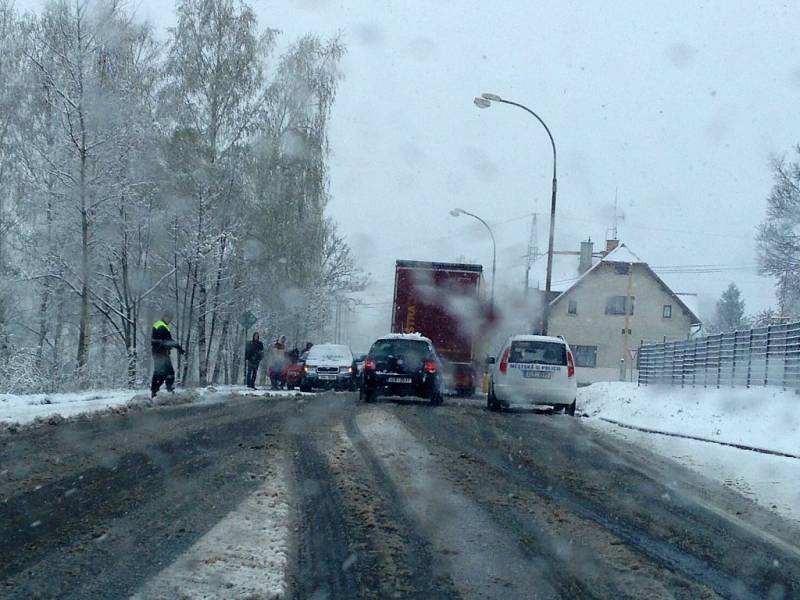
(730,310)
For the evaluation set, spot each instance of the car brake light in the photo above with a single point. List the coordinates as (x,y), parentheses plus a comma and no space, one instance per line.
(429,366)
(369,364)
(570,365)
(504,361)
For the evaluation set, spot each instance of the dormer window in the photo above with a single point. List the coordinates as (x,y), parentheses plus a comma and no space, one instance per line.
(622,268)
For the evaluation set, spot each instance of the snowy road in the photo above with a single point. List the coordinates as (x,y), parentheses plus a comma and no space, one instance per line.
(323,497)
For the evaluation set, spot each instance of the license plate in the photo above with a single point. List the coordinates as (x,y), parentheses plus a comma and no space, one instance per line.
(538,374)
(327,377)
(399,380)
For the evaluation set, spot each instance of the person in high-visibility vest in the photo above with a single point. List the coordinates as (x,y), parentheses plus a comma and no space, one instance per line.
(161,343)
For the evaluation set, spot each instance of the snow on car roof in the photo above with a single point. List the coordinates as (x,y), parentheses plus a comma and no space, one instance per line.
(330,345)
(329,350)
(537,338)
(405,336)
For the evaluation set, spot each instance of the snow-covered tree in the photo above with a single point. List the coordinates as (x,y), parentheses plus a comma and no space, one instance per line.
(778,236)
(12,96)
(84,54)
(214,102)
(137,177)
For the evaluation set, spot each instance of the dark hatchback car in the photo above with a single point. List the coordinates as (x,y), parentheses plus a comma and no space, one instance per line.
(402,365)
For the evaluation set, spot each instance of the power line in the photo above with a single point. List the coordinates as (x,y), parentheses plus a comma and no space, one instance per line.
(630,227)
(454,235)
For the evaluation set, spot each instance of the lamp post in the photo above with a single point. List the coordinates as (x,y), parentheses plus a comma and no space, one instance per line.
(460,211)
(485,101)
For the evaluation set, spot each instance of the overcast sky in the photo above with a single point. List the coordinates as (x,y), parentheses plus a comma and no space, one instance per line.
(678,105)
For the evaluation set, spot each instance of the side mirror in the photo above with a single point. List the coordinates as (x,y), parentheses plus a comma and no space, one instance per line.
(491,360)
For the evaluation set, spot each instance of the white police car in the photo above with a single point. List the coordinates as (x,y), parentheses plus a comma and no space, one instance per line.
(533,370)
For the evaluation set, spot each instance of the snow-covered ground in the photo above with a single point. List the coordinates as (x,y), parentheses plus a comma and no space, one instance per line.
(765,418)
(26,408)
(22,409)
(245,555)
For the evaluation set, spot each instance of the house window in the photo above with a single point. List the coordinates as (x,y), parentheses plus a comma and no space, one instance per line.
(572,307)
(622,268)
(667,311)
(615,305)
(585,356)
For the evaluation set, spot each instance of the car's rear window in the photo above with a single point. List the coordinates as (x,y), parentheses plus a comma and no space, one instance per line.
(406,348)
(538,353)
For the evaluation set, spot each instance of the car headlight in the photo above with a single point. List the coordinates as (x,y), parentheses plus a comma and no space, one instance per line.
(310,369)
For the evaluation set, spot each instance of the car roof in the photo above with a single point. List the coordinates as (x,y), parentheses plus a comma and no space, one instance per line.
(418,337)
(537,338)
(331,345)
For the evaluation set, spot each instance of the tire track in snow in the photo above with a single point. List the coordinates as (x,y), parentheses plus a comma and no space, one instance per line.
(484,562)
(324,561)
(407,565)
(244,556)
(674,532)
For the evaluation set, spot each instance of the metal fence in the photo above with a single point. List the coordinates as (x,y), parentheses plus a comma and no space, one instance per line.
(757,357)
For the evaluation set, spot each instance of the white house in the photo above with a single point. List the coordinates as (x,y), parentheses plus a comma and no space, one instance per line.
(616,303)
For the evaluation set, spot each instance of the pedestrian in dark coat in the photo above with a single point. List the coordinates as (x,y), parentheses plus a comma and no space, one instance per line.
(253,354)
(161,343)
(294,356)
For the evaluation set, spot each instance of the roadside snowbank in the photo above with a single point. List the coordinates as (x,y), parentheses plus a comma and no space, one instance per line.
(764,418)
(25,409)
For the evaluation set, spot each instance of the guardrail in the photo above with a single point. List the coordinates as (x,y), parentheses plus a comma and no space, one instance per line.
(756,357)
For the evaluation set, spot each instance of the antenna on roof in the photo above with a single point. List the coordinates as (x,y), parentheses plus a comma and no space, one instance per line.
(533,252)
(613,233)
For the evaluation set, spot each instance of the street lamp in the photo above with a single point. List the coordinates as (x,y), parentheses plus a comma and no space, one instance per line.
(485,101)
(460,211)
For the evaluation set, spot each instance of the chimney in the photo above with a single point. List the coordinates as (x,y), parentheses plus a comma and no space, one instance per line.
(611,245)
(586,256)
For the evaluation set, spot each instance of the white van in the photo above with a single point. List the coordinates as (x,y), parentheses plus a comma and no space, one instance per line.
(533,370)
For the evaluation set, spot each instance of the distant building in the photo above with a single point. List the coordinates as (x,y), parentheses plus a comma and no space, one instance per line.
(616,304)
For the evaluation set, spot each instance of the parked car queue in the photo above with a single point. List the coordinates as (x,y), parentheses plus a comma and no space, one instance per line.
(528,371)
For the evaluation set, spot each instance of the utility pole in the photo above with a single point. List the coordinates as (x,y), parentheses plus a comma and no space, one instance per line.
(337,314)
(485,101)
(533,252)
(625,339)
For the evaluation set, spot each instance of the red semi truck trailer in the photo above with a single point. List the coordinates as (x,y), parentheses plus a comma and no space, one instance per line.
(442,301)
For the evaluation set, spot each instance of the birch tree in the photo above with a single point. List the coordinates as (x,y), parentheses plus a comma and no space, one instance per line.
(778,237)
(12,95)
(136,177)
(215,96)
(71,51)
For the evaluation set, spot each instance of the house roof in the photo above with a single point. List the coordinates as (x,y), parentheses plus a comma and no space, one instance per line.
(622,254)
(690,300)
